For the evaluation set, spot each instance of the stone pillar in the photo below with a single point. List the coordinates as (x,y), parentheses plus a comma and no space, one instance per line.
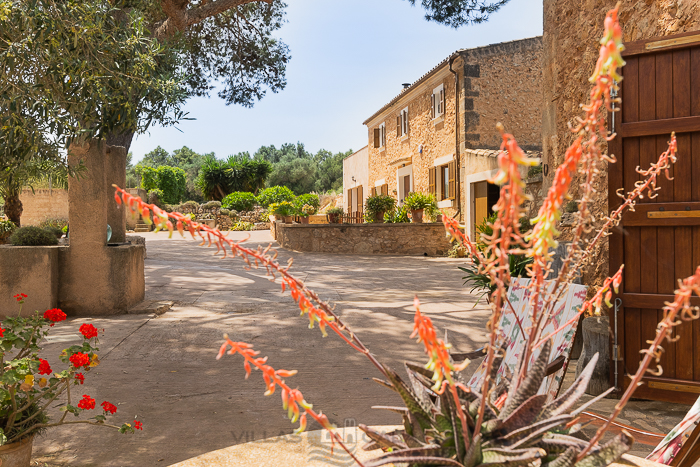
(115,174)
(87,196)
(96,279)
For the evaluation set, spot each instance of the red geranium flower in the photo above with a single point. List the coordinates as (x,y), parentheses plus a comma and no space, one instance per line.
(138,425)
(80,359)
(87,403)
(55,315)
(44,367)
(20,297)
(80,377)
(88,330)
(2,332)
(109,407)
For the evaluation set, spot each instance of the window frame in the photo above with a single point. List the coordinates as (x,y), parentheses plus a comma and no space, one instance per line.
(438,101)
(444,177)
(382,135)
(404,122)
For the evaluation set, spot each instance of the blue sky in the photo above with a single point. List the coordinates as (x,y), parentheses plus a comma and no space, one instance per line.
(349,58)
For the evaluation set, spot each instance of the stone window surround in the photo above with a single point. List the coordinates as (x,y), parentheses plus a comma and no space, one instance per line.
(469,211)
(400,173)
(404,123)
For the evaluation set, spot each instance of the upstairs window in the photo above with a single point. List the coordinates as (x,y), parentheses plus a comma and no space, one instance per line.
(437,104)
(402,123)
(380,136)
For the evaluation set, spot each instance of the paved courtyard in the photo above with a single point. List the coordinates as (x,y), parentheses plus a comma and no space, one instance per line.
(162,370)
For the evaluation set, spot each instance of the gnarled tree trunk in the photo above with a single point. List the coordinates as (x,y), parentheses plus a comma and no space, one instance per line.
(13,207)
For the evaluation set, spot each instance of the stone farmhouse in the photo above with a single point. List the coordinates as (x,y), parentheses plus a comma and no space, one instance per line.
(419,142)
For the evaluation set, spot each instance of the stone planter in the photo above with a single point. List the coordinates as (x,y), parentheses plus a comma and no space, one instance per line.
(333,218)
(17,454)
(416,216)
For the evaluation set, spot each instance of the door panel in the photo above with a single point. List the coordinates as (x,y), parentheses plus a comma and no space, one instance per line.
(660,90)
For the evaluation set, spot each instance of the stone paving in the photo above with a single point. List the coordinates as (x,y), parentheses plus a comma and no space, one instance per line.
(161,369)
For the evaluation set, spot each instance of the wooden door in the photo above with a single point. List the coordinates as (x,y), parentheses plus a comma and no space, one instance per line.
(406,185)
(659,243)
(481,204)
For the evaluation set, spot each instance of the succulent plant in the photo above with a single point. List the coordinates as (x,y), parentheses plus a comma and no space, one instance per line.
(519,428)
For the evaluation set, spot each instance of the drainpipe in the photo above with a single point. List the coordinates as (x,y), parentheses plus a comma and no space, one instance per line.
(458,193)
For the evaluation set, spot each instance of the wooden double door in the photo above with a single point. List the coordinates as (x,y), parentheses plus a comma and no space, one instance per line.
(659,243)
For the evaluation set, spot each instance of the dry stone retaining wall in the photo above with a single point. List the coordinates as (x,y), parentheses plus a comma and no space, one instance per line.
(364,239)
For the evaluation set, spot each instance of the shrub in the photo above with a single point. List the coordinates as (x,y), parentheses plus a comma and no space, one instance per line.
(397,216)
(239,200)
(212,205)
(242,226)
(534,171)
(6,228)
(335,210)
(283,208)
(55,231)
(171,181)
(310,199)
(415,201)
(32,236)
(376,204)
(50,222)
(275,194)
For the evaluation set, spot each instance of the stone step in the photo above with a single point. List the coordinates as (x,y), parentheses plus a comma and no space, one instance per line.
(139,230)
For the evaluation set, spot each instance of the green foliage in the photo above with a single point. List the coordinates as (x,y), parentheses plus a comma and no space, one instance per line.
(55,231)
(275,194)
(219,178)
(283,208)
(298,174)
(397,216)
(6,227)
(170,181)
(335,210)
(212,205)
(378,204)
(415,201)
(311,199)
(243,226)
(533,171)
(239,200)
(571,206)
(306,210)
(32,236)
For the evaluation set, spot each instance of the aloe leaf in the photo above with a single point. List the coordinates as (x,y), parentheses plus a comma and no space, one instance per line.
(526,414)
(474,457)
(532,382)
(565,459)
(592,401)
(567,400)
(421,456)
(506,457)
(409,398)
(384,440)
(609,452)
(536,431)
(398,410)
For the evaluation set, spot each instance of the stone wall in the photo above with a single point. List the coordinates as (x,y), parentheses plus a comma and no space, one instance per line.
(572,30)
(364,239)
(43,204)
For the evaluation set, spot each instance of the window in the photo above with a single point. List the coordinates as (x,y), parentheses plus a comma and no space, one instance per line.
(445,182)
(402,123)
(380,136)
(442,182)
(438,102)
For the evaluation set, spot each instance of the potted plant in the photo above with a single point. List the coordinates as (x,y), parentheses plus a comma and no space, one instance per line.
(306,211)
(283,210)
(376,206)
(29,386)
(335,215)
(417,202)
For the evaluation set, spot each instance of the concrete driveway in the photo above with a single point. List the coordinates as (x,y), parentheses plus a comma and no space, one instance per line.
(162,371)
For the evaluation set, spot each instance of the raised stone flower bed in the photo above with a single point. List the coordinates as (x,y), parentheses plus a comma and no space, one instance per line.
(364,239)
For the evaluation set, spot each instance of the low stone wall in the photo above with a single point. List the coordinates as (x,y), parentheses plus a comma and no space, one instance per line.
(31,270)
(364,239)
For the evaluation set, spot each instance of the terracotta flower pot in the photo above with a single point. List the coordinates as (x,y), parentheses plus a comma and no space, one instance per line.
(333,218)
(304,219)
(379,217)
(17,454)
(416,216)
(287,219)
